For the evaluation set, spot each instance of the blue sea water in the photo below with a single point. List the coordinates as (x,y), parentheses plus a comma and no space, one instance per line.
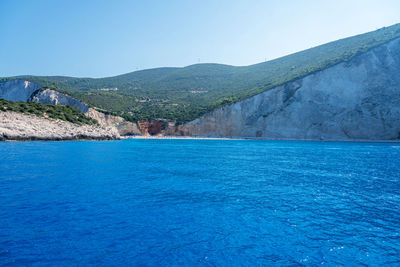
(199,203)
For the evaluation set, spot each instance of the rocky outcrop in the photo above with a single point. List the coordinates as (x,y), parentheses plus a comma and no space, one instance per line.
(48,96)
(358,99)
(123,127)
(18,126)
(20,90)
(148,128)
(17,90)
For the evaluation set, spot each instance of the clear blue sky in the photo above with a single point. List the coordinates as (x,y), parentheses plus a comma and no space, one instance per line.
(105,38)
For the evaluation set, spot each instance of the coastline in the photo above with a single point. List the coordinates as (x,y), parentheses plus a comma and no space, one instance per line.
(58,139)
(5,138)
(257,139)
(177,137)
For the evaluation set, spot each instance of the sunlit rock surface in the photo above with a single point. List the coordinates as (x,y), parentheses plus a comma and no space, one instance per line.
(19,126)
(358,99)
(20,90)
(123,127)
(48,96)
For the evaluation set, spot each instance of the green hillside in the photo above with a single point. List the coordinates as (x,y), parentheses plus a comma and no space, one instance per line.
(183,94)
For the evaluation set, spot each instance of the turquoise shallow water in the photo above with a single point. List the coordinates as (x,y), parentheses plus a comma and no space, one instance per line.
(199,202)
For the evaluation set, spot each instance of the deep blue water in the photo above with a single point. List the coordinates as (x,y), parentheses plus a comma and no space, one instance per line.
(199,202)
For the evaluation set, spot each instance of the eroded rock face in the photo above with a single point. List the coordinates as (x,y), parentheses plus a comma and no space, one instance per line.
(18,126)
(123,127)
(148,128)
(359,99)
(20,90)
(48,96)
(17,90)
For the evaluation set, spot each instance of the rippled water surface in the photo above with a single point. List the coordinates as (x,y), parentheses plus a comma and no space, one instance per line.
(199,202)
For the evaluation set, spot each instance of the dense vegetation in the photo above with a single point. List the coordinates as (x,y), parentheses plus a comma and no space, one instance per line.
(64,113)
(183,94)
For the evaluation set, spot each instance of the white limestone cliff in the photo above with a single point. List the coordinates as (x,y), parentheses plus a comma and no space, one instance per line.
(21,90)
(48,96)
(19,126)
(123,127)
(17,90)
(354,100)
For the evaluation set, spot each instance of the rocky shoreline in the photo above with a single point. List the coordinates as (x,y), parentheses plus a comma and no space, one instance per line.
(21,127)
(74,138)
